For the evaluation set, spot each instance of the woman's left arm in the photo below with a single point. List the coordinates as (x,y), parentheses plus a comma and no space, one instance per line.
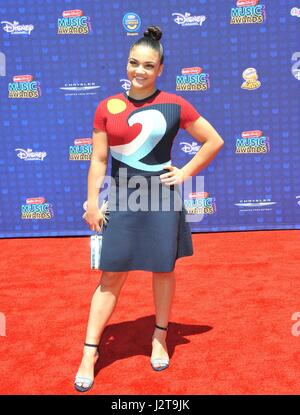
(205,133)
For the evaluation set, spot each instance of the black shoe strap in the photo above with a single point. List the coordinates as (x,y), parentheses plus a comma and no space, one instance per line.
(91,345)
(162,328)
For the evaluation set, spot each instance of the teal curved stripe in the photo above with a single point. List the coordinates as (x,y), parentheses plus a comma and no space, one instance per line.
(158,129)
(138,164)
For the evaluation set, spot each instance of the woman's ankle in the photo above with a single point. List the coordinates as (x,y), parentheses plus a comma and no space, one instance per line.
(90,352)
(159,335)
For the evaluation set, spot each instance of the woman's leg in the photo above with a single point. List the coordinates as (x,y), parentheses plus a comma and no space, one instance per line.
(102,306)
(163,284)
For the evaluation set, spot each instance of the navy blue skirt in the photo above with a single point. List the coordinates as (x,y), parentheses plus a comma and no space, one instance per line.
(146,229)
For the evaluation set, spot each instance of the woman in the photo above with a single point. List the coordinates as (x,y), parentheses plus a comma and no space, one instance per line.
(138,128)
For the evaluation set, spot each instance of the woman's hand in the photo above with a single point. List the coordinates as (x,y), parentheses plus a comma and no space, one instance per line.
(174,176)
(95,218)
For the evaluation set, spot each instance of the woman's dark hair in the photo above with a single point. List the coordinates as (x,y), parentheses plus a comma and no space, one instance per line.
(151,38)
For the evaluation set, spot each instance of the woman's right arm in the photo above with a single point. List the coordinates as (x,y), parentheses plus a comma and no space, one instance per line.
(96,175)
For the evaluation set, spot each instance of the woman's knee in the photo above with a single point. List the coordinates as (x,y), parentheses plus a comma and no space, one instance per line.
(111,280)
(164,274)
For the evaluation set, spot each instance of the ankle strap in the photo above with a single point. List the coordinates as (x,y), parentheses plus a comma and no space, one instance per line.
(91,345)
(162,328)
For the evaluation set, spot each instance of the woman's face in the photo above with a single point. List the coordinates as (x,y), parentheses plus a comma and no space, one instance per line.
(143,67)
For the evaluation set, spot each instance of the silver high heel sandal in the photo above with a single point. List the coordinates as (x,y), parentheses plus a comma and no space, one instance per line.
(84,379)
(162,363)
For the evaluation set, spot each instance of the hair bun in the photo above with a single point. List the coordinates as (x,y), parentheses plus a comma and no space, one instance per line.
(154,32)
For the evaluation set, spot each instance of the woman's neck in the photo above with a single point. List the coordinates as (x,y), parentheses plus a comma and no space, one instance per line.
(141,94)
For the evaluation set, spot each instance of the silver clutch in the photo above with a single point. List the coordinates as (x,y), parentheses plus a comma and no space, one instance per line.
(96,239)
(96,246)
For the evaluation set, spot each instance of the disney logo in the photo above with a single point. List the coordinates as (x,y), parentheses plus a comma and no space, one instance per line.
(30,155)
(188,20)
(16,29)
(190,148)
(126,84)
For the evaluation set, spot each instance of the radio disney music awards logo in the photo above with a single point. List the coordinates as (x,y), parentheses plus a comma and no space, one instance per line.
(15,28)
(251,81)
(188,20)
(296,66)
(190,148)
(295,11)
(24,86)
(200,203)
(81,150)
(248,11)
(131,23)
(298,200)
(74,22)
(80,88)
(252,142)
(36,208)
(29,155)
(125,84)
(192,79)
(255,205)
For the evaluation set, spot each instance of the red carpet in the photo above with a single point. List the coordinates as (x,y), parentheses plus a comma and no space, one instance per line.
(230,329)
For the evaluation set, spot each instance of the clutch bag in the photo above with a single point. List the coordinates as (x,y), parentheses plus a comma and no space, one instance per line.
(96,246)
(96,239)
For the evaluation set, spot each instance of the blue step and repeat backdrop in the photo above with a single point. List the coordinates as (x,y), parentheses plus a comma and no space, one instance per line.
(236,61)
